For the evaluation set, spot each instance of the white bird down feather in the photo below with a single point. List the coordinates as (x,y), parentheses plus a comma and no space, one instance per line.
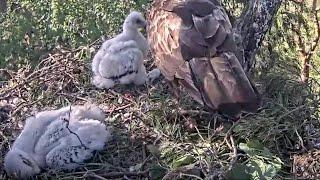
(120,59)
(57,139)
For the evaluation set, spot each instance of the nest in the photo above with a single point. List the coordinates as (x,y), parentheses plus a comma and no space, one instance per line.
(155,135)
(307,165)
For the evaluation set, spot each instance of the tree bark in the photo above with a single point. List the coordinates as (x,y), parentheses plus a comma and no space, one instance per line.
(306,49)
(306,55)
(251,28)
(305,70)
(3,6)
(314,5)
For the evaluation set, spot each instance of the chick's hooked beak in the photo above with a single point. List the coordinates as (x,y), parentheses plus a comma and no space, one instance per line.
(143,28)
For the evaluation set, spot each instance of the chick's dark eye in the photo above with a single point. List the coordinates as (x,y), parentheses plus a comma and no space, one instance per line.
(138,21)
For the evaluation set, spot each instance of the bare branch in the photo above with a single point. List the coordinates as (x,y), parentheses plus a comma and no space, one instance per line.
(113,175)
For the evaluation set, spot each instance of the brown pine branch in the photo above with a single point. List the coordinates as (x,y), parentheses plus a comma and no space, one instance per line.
(314,5)
(114,175)
(315,42)
(306,54)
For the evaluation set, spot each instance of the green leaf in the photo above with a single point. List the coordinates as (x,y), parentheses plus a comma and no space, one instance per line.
(260,169)
(238,172)
(262,164)
(157,172)
(250,151)
(154,150)
(182,161)
(255,144)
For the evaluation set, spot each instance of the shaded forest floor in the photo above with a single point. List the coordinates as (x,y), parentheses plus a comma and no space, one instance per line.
(155,136)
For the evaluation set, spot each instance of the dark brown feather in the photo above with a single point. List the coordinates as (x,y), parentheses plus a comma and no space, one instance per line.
(193,45)
(207,25)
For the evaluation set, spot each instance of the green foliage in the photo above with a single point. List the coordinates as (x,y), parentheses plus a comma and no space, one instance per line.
(174,156)
(31,29)
(157,172)
(183,160)
(261,163)
(281,50)
(234,7)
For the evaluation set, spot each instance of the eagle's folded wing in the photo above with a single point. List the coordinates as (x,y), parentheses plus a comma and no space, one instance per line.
(194,44)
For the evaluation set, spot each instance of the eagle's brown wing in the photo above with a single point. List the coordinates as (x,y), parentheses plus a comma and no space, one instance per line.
(193,43)
(163,36)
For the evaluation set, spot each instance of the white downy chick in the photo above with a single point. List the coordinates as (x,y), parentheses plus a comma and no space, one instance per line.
(51,136)
(120,59)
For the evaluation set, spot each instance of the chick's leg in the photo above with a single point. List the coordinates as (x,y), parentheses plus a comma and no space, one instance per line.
(153,75)
(141,76)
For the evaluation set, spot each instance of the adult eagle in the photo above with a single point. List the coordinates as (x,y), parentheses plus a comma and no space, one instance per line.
(194,47)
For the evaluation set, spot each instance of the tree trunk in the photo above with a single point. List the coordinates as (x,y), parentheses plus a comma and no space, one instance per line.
(305,70)
(306,50)
(3,6)
(252,26)
(314,5)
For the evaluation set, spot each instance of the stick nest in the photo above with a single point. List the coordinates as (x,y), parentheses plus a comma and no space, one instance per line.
(155,136)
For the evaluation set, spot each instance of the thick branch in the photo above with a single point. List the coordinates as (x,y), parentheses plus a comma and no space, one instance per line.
(306,61)
(306,53)
(252,27)
(314,5)
(315,42)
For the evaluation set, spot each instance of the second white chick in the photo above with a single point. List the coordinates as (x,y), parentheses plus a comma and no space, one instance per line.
(120,59)
(57,139)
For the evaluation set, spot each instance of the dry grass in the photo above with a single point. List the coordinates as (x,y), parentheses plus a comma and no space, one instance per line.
(154,135)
